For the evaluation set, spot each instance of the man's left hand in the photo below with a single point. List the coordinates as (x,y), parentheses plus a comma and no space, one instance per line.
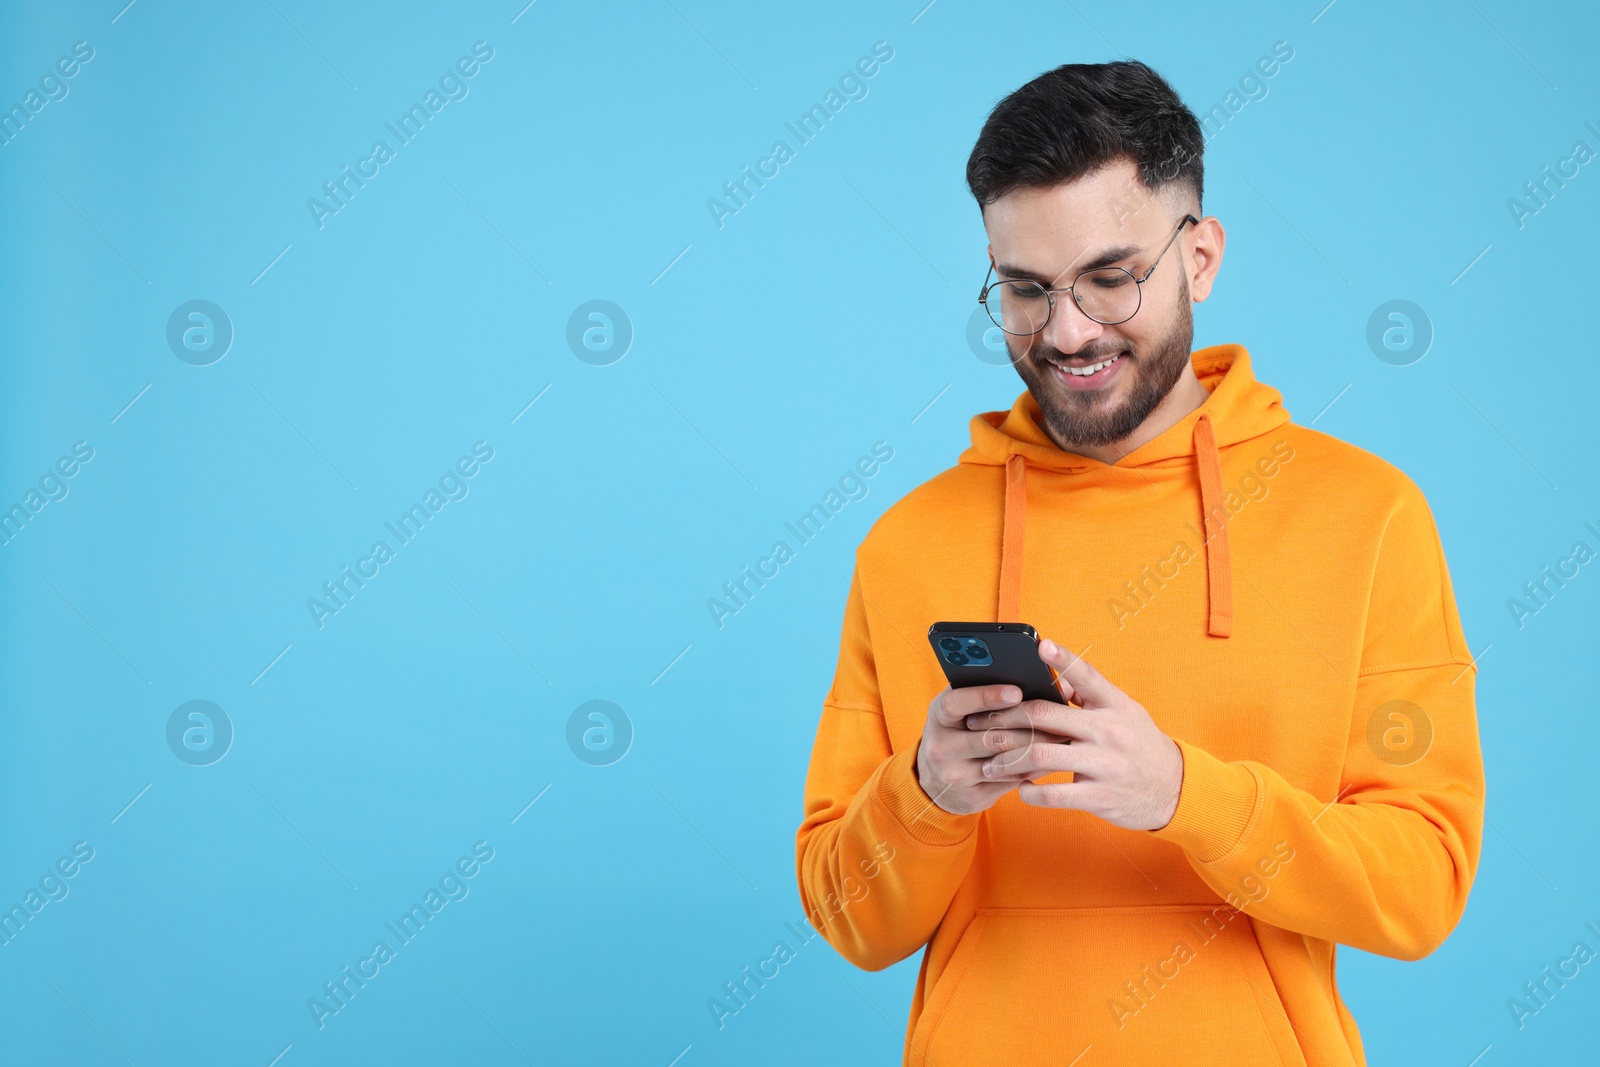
(1125,770)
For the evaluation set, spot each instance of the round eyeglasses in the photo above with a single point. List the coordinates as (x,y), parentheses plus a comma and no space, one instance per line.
(1108,295)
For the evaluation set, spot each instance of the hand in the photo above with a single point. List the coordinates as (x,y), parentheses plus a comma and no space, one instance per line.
(950,753)
(1125,770)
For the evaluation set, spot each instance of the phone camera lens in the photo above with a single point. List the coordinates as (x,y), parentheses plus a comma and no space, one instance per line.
(978,650)
(950,644)
(955,657)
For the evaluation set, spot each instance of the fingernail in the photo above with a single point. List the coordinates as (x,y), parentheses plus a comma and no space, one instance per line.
(988,770)
(1011,694)
(1048,647)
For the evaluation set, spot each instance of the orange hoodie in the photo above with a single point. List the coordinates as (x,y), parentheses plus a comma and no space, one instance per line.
(1278,601)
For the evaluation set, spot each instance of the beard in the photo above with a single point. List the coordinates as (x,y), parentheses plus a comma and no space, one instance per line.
(1087,418)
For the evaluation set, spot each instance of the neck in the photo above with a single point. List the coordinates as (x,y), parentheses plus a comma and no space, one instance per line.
(1185,396)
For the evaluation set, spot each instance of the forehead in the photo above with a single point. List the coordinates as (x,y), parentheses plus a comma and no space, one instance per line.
(1048,231)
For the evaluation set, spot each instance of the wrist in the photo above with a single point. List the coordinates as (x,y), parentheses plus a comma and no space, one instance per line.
(1174,787)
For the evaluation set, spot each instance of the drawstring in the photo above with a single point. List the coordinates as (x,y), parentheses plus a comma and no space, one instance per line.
(1219,567)
(1011,538)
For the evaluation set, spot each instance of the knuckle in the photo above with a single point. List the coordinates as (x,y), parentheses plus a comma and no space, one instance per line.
(1009,757)
(1040,713)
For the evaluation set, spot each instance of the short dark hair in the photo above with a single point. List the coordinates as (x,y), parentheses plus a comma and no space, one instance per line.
(1074,119)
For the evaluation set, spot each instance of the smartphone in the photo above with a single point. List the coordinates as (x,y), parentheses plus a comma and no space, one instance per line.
(993,653)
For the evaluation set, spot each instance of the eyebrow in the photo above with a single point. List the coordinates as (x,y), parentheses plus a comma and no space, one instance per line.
(1104,259)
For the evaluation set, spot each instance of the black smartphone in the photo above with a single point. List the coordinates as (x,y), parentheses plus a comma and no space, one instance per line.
(994,653)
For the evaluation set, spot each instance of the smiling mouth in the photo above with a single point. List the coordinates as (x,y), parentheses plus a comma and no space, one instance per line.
(1086,369)
(1080,377)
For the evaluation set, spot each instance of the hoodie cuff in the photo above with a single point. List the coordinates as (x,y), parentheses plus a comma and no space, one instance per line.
(898,790)
(1216,805)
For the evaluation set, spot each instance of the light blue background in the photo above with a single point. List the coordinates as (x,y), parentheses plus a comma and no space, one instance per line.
(429,312)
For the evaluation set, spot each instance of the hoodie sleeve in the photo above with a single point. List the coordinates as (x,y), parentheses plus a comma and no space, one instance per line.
(878,861)
(1387,864)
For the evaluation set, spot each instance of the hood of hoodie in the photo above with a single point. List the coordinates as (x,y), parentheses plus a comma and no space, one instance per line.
(1239,408)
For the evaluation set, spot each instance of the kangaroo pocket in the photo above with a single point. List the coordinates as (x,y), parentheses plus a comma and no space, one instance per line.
(1139,985)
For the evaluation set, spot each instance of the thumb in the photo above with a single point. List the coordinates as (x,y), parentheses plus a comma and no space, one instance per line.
(1079,681)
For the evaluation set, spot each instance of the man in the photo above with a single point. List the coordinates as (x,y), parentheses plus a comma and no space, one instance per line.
(1273,748)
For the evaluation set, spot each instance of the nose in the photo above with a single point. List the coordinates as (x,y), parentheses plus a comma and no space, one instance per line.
(1069,329)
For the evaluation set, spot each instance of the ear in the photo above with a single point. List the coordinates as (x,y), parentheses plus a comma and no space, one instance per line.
(1204,258)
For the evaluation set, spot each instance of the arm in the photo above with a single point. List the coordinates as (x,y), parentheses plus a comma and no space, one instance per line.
(1387,865)
(878,862)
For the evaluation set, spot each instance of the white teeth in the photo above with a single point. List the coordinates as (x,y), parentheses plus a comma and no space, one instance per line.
(1084,372)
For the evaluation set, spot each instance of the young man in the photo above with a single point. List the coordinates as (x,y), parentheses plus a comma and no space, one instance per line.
(1275,750)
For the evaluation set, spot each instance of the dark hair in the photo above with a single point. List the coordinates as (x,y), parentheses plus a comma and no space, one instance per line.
(1077,118)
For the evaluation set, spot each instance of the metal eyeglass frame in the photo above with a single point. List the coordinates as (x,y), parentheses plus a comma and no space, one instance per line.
(983,294)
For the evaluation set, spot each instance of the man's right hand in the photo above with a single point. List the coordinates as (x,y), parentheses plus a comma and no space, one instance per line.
(950,755)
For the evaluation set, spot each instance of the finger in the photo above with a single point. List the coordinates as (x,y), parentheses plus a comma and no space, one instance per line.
(954,705)
(1042,716)
(1078,680)
(1019,776)
(1010,781)
(1036,759)
(995,790)
(1080,795)
(982,744)
(1038,715)
(1011,755)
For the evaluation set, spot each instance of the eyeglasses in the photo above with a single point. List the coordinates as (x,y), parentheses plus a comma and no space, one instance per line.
(1108,295)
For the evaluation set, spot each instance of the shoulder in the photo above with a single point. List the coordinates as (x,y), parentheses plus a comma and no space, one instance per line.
(945,506)
(1359,478)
